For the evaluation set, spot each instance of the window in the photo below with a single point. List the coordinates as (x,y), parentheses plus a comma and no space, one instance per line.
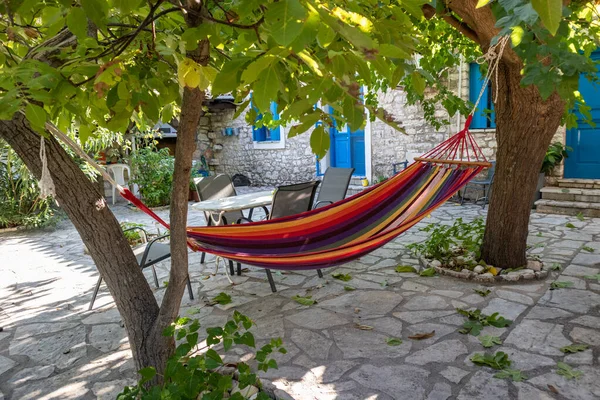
(264,134)
(481,118)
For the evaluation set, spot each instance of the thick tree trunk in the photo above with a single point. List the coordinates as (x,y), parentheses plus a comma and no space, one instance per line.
(191,111)
(525,125)
(101,233)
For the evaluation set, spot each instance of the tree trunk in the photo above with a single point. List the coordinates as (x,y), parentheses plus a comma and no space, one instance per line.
(102,235)
(525,125)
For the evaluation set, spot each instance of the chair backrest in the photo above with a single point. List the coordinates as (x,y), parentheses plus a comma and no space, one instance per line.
(217,187)
(293,199)
(334,186)
(117,171)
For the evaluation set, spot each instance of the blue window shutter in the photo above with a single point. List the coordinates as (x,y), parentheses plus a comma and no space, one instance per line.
(275,134)
(475,82)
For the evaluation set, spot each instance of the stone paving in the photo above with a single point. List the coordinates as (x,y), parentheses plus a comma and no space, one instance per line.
(51,347)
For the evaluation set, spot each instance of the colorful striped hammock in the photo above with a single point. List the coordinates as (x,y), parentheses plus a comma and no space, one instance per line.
(351,228)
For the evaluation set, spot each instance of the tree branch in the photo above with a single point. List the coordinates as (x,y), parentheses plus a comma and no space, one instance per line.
(460,26)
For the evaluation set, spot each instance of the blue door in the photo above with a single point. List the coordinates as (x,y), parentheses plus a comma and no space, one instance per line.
(584,161)
(348,149)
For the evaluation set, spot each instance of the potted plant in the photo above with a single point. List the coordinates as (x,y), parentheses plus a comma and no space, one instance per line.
(193,194)
(554,156)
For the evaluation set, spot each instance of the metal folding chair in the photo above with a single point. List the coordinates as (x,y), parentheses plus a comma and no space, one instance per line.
(147,254)
(334,186)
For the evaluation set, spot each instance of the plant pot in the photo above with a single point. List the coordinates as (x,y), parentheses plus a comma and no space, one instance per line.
(196,196)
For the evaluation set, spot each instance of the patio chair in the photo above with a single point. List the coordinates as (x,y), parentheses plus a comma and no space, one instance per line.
(334,186)
(218,187)
(147,254)
(117,171)
(290,200)
(486,184)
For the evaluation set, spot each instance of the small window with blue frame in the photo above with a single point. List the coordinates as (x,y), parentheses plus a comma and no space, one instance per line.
(484,117)
(264,134)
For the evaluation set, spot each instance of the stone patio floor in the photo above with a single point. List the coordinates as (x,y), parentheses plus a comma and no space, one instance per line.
(51,347)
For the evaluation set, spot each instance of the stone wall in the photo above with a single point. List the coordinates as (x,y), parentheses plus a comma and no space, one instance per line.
(237,154)
(295,161)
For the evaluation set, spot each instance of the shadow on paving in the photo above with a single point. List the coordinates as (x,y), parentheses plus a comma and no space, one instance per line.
(52,348)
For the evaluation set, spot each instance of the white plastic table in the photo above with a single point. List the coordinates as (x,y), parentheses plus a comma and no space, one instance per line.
(234,203)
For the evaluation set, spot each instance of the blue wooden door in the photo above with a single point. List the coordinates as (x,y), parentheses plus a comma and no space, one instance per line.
(348,149)
(584,161)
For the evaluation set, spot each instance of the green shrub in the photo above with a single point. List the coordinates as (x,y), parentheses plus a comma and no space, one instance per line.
(554,155)
(448,241)
(194,371)
(20,204)
(152,170)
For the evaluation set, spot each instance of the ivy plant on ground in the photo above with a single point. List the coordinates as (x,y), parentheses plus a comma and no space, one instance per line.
(477,321)
(489,341)
(561,285)
(448,242)
(195,370)
(498,361)
(567,371)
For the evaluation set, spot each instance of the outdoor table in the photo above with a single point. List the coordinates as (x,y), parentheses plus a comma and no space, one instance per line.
(234,203)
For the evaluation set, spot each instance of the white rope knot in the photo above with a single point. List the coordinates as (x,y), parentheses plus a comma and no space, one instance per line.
(46,184)
(492,58)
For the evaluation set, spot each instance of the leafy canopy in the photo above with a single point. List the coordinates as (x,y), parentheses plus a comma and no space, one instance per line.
(93,64)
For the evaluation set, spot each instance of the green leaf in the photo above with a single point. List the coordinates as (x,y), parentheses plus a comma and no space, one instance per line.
(588,249)
(418,83)
(393,341)
(319,141)
(213,359)
(77,22)
(555,267)
(580,216)
(567,371)
(36,116)
(147,374)
(596,276)
(222,298)
(514,374)
(560,285)
(96,10)
(265,89)
(228,79)
(305,301)
(489,341)
(570,225)
(482,3)
(349,288)
(342,277)
(427,272)
(574,348)
(482,293)
(284,19)
(497,361)
(405,268)
(353,113)
(392,51)
(550,12)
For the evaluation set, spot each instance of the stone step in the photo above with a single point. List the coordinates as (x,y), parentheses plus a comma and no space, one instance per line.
(354,189)
(571,194)
(579,183)
(545,206)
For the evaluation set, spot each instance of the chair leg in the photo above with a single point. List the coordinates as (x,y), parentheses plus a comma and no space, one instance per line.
(239,269)
(462,196)
(231,271)
(113,196)
(202,258)
(189,287)
(95,293)
(271,281)
(320,273)
(155,277)
(485,199)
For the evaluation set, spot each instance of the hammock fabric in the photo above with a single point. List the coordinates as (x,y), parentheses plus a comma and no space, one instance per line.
(351,228)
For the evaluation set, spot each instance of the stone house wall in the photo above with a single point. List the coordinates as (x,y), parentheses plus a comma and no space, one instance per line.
(295,162)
